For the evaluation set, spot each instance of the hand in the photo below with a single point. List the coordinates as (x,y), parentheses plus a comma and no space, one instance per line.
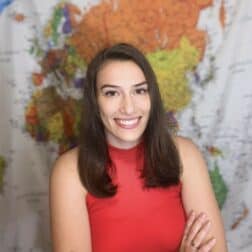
(195,234)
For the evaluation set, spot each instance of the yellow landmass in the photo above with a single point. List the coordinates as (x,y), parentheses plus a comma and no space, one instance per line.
(50,117)
(171,68)
(55,126)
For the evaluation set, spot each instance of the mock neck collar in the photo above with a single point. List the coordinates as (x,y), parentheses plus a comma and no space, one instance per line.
(129,153)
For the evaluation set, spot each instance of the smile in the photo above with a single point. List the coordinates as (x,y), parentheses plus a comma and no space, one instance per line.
(128,123)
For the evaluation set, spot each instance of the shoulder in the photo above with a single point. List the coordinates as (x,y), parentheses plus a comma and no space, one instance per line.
(194,168)
(65,170)
(68,211)
(66,163)
(188,151)
(69,156)
(185,145)
(195,177)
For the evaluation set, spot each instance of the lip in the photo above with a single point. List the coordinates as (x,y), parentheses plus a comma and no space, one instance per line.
(127,123)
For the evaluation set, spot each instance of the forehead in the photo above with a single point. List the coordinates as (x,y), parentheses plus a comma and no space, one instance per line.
(120,72)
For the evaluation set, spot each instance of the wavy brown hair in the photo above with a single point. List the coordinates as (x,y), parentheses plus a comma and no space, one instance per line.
(161,158)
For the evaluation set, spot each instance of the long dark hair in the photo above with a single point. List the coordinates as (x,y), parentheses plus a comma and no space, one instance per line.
(161,158)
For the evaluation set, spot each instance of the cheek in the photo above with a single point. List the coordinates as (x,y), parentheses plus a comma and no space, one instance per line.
(106,109)
(148,104)
(144,104)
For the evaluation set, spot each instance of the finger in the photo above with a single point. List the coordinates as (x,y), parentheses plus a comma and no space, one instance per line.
(201,235)
(207,247)
(189,222)
(189,248)
(196,226)
(191,218)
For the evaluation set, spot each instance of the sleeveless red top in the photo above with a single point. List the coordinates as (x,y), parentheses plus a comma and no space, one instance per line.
(136,219)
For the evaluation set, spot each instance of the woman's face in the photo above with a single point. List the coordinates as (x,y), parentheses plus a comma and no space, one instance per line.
(124,102)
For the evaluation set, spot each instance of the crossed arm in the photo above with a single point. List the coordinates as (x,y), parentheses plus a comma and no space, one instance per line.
(205,229)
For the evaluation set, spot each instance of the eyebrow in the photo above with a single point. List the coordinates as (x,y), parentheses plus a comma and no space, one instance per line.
(115,86)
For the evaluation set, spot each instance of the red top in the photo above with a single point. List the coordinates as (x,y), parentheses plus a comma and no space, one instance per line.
(136,219)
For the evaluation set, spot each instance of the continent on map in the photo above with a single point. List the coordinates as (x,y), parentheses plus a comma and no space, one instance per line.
(222,14)
(214,151)
(170,68)
(150,26)
(19,17)
(166,31)
(49,117)
(242,216)
(53,114)
(2,171)
(219,185)
(64,16)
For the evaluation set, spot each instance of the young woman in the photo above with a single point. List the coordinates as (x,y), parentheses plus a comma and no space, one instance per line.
(130,185)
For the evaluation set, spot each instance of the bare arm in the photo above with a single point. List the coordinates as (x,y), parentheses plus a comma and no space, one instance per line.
(70,229)
(197,192)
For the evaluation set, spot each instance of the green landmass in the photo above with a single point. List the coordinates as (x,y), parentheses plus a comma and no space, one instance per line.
(219,185)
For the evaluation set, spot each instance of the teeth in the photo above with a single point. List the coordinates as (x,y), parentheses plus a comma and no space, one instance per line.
(128,122)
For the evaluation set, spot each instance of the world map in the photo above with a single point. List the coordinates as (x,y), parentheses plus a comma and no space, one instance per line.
(183,41)
(68,45)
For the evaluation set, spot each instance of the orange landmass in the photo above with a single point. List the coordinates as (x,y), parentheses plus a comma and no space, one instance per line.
(32,115)
(68,119)
(222,14)
(37,79)
(19,17)
(74,11)
(149,25)
(203,3)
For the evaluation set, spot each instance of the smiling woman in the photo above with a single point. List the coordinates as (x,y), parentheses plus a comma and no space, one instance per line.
(130,185)
(123,101)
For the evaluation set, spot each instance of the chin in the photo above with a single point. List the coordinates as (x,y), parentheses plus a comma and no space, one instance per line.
(131,139)
(124,140)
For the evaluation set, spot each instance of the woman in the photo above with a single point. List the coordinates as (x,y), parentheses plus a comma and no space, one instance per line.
(129,185)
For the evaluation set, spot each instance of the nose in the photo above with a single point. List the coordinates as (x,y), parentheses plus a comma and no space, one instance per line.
(127,104)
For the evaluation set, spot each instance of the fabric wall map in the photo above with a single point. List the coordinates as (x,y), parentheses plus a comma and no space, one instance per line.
(200,52)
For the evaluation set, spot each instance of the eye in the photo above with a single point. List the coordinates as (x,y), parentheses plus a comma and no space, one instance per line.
(110,93)
(141,90)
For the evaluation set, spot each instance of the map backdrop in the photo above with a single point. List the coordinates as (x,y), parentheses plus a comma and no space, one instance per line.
(202,55)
